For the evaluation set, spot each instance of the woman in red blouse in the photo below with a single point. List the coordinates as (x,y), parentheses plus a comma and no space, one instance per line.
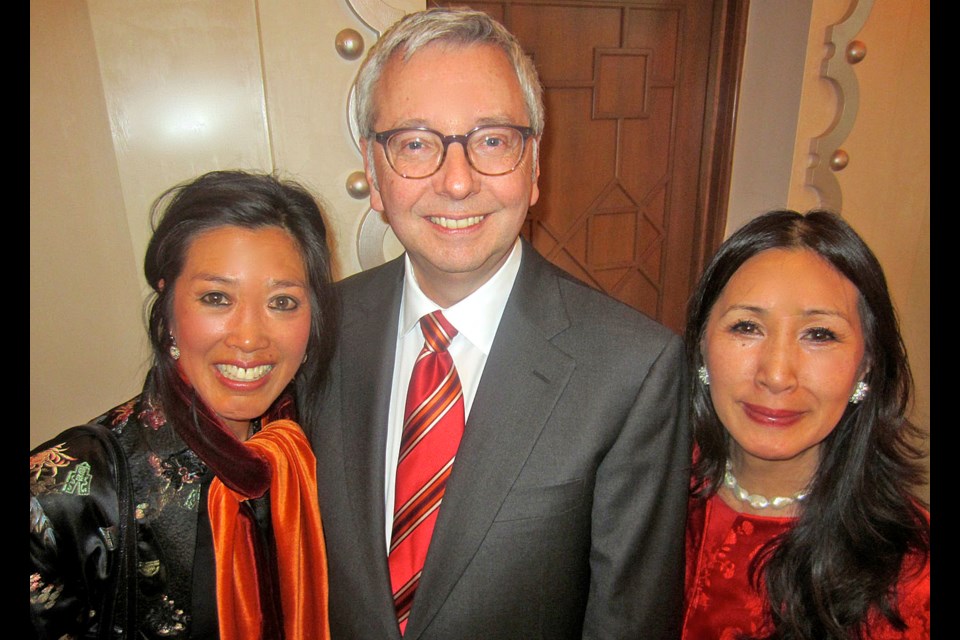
(802,524)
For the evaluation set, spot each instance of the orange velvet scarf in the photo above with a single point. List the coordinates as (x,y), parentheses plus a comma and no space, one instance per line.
(301,557)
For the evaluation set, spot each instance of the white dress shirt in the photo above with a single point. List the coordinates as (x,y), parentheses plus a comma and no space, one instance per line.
(475,318)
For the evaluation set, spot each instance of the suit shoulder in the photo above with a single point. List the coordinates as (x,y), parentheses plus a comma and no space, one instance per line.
(381,277)
(586,304)
(364,277)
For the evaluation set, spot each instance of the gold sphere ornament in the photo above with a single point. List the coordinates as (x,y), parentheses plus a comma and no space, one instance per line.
(357,185)
(839,160)
(349,44)
(856,51)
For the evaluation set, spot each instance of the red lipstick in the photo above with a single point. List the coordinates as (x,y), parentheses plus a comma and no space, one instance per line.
(771,417)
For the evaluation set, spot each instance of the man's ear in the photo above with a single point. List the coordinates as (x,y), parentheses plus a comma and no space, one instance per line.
(535,177)
(376,201)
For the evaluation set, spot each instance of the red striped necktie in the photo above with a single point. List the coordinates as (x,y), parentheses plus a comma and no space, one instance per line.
(432,427)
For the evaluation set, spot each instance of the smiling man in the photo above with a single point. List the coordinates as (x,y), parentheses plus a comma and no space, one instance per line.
(502,450)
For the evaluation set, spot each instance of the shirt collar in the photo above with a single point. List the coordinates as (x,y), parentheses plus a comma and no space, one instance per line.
(477,316)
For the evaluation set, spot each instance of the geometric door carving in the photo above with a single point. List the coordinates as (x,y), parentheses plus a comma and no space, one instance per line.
(626,166)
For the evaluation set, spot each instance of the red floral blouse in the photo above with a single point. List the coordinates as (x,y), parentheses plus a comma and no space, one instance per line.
(721,604)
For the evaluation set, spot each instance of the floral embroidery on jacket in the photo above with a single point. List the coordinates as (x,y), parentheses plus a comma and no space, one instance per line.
(45,464)
(166,479)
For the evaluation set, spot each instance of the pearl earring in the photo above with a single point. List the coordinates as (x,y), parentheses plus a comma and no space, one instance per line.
(704,375)
(174,349)
(859,393)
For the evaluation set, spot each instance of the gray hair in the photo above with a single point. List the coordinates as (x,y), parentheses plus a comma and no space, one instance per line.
(455,26)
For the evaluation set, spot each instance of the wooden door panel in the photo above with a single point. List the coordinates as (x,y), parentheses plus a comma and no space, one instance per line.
(561,38)
(623,172)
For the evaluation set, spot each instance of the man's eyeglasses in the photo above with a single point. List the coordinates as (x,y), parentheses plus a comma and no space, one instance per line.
(492,150)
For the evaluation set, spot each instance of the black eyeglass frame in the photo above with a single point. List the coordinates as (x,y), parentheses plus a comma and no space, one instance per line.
(384,136)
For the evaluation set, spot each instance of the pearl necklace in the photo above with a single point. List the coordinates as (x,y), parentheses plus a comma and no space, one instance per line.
(757,501)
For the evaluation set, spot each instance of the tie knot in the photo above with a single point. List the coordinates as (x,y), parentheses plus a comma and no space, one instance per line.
(437,331)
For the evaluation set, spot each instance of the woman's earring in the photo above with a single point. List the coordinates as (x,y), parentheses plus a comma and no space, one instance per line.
(704,375)
(174,349)
(859,393)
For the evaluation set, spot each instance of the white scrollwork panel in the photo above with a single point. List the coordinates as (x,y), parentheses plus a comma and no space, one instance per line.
(827,156)
(375,240)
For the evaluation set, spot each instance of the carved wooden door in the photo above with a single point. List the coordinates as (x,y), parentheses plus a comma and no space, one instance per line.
(633,161)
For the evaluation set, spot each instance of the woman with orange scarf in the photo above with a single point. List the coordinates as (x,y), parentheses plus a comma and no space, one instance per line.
(224,538)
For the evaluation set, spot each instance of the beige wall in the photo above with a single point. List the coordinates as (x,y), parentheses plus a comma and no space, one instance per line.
(128,98)
(885,187)
(85,332)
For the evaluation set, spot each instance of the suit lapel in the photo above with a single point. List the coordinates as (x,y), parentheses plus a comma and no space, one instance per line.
(368,350)
(523,379)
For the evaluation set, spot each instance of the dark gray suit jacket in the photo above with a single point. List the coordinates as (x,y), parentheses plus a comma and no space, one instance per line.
(564,515)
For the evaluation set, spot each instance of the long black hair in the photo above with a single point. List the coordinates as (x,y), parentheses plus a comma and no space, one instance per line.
(845,553)
(240,199)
